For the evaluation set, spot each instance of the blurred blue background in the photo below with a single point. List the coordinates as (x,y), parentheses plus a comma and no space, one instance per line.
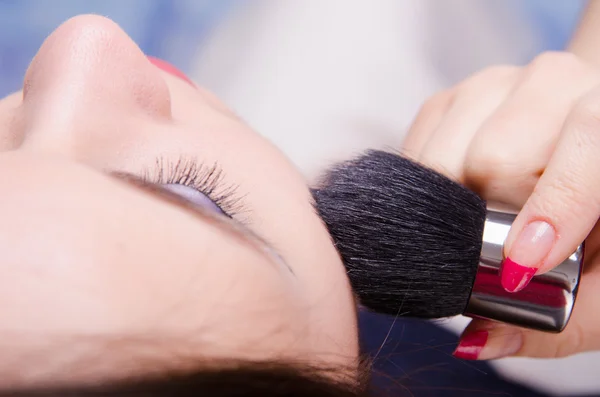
(175,29)
(168,29)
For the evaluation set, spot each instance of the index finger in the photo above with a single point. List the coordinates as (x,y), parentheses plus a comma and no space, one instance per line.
(565,204)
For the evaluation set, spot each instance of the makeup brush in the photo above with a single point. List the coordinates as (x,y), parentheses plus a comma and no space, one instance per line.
(416,243)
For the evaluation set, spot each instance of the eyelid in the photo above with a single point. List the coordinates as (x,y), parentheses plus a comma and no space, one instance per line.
(222,222)
(207,179)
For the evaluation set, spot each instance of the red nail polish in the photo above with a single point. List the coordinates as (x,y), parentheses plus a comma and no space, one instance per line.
(470,345)
(172,70)
(515,277)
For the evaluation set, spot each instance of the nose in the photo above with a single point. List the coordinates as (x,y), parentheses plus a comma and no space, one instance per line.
(85,79)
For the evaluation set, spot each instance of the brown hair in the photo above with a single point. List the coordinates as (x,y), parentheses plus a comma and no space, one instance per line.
(251,379)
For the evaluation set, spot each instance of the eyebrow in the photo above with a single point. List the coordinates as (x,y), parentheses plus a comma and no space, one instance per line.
(226,225)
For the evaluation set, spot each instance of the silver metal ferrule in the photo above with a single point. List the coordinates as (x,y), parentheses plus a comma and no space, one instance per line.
(545,304)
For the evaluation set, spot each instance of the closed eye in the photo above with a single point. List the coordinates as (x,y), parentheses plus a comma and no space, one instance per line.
(202,184)
(224,223)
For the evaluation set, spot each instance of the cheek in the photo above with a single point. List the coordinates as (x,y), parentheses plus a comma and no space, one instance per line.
(278,207)
(142,308)
(193,105)
(175,279)
(116,274)
(280,210)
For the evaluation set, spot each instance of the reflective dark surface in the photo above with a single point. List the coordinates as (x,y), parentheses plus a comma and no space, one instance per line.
(545,304)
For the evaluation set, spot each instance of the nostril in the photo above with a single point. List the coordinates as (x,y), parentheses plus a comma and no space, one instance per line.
(90,62)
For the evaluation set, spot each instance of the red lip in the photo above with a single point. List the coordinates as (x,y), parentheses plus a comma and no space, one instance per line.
(172,70)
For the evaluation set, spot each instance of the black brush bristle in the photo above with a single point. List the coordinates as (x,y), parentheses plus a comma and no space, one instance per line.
(410,237)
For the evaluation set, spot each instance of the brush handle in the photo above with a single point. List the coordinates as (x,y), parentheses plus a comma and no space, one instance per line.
(545,304)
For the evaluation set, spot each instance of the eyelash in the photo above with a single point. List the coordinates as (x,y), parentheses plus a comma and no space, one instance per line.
(208,180)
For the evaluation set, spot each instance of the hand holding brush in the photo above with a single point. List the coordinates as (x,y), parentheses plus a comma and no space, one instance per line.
(528,138)
(413,229)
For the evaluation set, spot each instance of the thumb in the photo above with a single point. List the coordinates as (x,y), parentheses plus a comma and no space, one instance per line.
(486,340)
(565,204)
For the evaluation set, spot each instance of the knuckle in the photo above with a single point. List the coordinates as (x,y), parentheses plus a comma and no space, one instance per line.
(487,79)
(489,161)
(552,61)
(499,72)
(493,153)
(438,100)
(435,104)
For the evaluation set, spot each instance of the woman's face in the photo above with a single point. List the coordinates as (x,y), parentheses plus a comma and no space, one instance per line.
(145,228)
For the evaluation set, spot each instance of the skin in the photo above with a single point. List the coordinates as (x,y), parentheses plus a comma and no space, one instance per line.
(526,138)
(583,40)
(534,145)
(103,276)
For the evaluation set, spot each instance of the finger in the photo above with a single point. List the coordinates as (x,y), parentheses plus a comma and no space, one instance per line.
(476,100)
(427,120)
(584,40)
(487,340)
(484,340)
(565,204)
(512,148)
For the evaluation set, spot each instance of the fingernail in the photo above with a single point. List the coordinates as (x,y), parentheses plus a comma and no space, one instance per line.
(470,345)
(526,254)
(486,345)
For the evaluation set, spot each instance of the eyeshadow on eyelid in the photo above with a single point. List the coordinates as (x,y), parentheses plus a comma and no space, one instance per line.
(219,220)
(193,196)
